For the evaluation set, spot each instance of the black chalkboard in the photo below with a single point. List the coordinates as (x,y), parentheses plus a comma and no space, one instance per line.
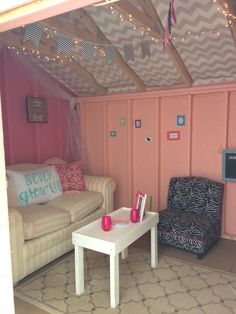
(229,165)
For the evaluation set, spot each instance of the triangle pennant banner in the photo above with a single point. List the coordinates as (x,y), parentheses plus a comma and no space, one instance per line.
(64,44)
(129,52)
(110,53)
(145,48)
(88,52)
(33,32)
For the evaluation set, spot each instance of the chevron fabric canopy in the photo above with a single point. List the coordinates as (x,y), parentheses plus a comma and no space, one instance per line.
(119,47)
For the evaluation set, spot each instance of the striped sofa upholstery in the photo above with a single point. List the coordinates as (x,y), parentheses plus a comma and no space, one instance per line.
(29,253)
(192,218)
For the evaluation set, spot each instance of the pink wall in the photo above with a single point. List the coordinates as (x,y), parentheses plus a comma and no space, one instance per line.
(134,163)
(25,141)
(138,165)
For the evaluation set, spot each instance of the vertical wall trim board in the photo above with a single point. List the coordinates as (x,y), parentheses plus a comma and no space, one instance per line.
(60,153)
(35,127)
(132,153)
(83,121)
(227,96)
(105,141)
(7,90)
(159,146)
(190,99)
(224,212)
(156,195)
(130,126)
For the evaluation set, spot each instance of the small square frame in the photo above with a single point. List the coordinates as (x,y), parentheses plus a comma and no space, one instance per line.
(180,120)
(140,202)
(138,123)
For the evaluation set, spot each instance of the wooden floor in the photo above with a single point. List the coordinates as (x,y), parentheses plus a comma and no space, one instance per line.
(221,256)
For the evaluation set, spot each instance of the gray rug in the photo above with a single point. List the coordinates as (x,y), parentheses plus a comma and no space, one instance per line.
(173,287)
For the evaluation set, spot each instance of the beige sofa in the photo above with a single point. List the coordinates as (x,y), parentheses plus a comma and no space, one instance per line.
(41,233)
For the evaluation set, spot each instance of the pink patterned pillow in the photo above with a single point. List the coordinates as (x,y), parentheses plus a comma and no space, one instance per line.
(71,176)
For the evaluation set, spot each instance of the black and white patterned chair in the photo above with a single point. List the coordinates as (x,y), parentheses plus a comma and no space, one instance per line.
(192,218)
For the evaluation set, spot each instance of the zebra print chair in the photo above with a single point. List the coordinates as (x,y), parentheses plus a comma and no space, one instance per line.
(192,218)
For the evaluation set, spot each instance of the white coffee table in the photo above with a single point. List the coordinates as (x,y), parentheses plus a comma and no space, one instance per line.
(112,243)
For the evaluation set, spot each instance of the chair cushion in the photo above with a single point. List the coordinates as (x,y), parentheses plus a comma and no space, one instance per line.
(42,219)
(187,225)
(78,205)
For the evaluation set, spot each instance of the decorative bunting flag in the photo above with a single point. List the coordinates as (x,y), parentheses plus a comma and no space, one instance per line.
(33,32)
(172,9)
(145,48)
(64,44)
(110,53)
(129,52)
(171,19)
(100,37)
(88,52)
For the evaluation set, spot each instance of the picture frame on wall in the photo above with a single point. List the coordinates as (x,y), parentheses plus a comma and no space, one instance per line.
(37,111)
(229,165)
(140,202)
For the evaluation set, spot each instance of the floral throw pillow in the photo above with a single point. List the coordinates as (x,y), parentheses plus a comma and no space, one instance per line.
(71,176)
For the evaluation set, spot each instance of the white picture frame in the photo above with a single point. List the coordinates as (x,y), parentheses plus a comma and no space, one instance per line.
(140,202)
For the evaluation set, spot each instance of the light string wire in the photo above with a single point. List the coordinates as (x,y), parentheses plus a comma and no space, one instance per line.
(99,48)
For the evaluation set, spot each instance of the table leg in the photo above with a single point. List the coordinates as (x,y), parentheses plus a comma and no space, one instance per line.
(79,269)
(154,247)
(114,280)
(124,253)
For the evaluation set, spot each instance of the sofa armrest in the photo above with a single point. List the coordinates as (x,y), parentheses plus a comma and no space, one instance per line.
(106,186)
(17,241)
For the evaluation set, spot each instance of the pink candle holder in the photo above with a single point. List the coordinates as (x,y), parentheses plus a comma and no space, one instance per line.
(134,215)
(106,223)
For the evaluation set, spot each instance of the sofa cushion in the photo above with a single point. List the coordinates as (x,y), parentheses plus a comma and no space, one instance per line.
(54,161)
(78,205)
(71,176)
(42,219)
(33,186)
(25,166)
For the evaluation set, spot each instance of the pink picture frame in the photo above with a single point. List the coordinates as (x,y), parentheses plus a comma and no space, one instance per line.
(140,202)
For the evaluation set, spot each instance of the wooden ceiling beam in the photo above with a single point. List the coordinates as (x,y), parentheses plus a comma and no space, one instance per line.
(126,8)
(92,27)
(150,20)
(38,10)
(13,40)
(62,26)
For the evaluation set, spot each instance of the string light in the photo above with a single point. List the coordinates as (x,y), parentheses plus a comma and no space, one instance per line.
(99,49)
(226,11)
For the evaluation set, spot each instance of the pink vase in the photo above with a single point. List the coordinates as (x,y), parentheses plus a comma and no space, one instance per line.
(106,223)
(134,215)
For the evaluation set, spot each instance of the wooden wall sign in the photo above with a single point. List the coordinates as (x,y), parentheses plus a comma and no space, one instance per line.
(37,111)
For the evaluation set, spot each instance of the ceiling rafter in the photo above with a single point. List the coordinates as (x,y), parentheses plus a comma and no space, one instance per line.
(92,27)
(26,14)
(227,6)
(151,20)
(61,25)
(11,39)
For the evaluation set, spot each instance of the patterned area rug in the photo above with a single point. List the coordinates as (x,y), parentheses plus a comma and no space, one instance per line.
(173,287)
